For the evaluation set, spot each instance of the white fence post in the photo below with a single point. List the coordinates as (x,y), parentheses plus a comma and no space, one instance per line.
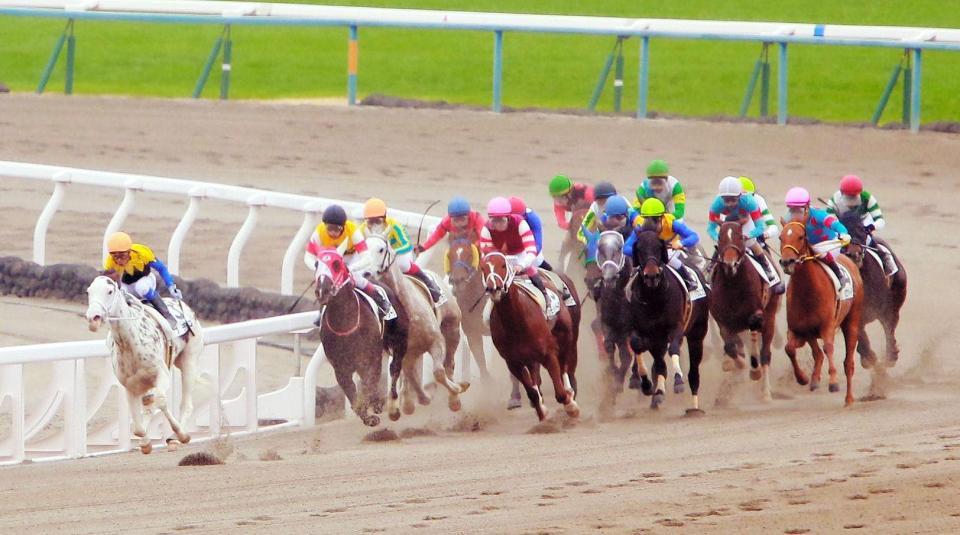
(129,199)
(180,233)
(295,249)
(11,388)
(60,181)
(233,256)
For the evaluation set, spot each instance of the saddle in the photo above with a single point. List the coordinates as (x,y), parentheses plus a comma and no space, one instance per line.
(173,339)
(844,293)
(558,283)
(426,291)
(763,274)
(694,295)
(879,260)
(550,309)
(380,314)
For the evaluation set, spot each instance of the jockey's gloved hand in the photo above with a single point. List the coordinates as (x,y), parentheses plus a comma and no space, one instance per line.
(762,240)
(845,239)
(871,228)
(419,249)
(175,292)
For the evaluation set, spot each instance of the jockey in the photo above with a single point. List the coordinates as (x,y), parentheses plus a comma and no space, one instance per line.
(602,193)
(772,227)
(661,185)
(336,231)
(136,264)
(509,234)
(518,207)
(678,236)
(460,222)
(821,227)
(568,197)
(852,197)
(732,202)
(375,220)
(617,216)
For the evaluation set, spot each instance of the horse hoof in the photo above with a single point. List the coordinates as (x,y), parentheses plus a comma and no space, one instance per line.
(146,448)
(646,386)
(172,445)
(514,403)
(657,400)
(373,421)
(454,404)
(814,385)
(634,383)
(464,386)
(543,413)
(891,360)
(802,380)
(694,413)
(728,365)
(740,363)
(756,374)
(834,387)
(848,402)
(868,361)
(394,415)
(677,383)
(423,400)
(409,408)
(184,438)
(573,410)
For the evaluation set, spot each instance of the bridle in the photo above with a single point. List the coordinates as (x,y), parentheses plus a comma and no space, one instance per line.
(802,256)
(389,255)
(493,282)
(463,264)
(731,245)
(108,307)
(617,242)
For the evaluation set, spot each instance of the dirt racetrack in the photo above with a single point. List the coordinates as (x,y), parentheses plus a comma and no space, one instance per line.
(800,464)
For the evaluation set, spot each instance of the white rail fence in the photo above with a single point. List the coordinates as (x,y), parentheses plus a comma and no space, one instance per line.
(72,418)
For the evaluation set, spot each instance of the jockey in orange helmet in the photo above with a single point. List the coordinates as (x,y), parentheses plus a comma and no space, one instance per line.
(137,266)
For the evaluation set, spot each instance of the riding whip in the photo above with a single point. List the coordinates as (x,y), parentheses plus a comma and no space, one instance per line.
(304,292)
(424,216)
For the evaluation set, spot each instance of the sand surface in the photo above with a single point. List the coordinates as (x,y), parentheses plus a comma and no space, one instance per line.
(800,464)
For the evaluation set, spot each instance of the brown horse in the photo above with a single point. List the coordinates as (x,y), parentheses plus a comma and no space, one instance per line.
(350,332)
(525,338)
(463,262)
(741,300)
(883,295)
(814,310)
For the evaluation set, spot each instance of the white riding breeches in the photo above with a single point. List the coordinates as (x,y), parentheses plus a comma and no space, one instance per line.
(829,248)
(404,261)
(673,259)
(356,265)
(143,287)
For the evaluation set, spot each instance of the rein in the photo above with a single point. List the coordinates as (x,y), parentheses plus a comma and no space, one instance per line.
(326,320)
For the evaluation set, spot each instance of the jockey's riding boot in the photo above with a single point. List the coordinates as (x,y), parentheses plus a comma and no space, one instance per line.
(689,279)
(379,298)
(546,265)
(538,282)
(435,292)
(777,288)
(841,276)
(889,264)
(161,307)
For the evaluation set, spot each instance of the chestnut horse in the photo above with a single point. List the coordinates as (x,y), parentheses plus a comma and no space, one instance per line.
(740,300)
(351,335)
(883,295)
(663,315)
(525,338)
(463,263)
(814,311)
(571,248)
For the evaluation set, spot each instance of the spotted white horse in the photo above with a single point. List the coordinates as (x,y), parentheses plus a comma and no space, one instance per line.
(143,349)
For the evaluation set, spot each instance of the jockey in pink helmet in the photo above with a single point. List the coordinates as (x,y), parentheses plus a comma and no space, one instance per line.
(824,230)
(507,233)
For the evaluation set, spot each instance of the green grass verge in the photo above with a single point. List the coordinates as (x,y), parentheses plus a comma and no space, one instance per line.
(697,78)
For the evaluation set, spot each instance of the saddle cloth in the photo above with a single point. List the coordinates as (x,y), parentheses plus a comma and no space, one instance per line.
(550,309)
(173,340)
(763,274)
(694,295)
(381,315)
(842,293)
(426,291)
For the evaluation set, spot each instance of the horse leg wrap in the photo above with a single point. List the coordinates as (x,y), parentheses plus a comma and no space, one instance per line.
(675,363)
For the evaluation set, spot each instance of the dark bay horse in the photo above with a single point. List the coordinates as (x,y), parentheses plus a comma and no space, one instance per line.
(350,332)
(883,295)
(741,300)
(663,315)
(815,312)
(615,319)
(463,266)
(525,338)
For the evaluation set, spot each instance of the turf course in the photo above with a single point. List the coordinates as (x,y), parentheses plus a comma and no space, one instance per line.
(694,78)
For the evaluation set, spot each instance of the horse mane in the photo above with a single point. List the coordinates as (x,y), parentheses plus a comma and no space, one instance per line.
(851,220)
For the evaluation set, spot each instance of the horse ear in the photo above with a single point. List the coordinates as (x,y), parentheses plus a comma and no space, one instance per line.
(783,221)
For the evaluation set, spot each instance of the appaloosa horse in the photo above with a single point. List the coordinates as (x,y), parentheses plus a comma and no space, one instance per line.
(614,314)
(463,265)
(883,295)
(741,300)
(524,337)
(353,336)
(663,314)
(143,349)
(432,330)
(815,311)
